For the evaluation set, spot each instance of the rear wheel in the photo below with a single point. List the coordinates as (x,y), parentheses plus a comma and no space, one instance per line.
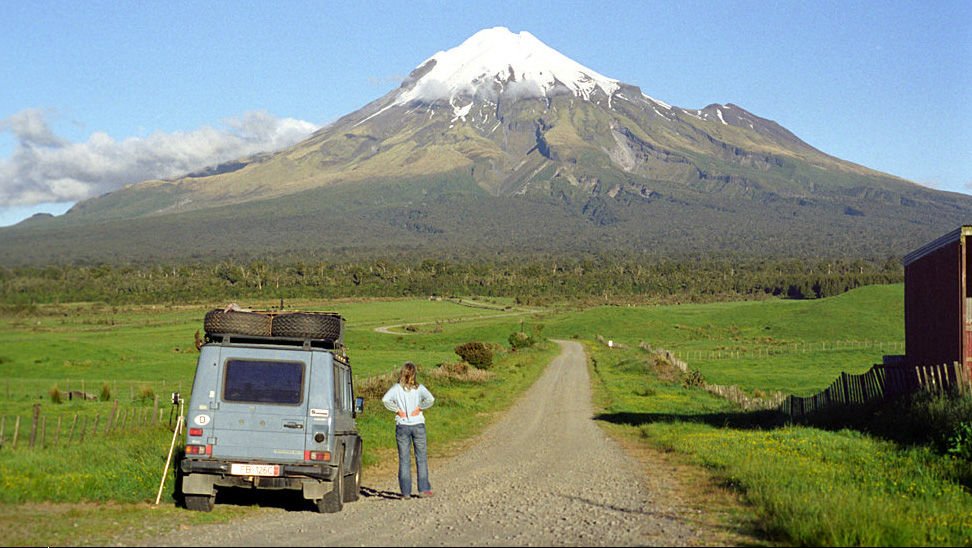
(352,482)
(200,503)
(333,501)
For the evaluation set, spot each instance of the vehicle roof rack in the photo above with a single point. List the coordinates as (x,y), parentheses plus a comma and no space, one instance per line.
(307,343)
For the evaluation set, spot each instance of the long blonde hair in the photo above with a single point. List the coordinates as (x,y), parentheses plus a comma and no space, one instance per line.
(406,377)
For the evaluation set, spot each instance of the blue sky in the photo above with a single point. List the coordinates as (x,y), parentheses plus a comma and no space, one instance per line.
(96,95)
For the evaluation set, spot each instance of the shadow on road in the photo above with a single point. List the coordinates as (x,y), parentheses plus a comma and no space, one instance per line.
(740,420)
(370,492)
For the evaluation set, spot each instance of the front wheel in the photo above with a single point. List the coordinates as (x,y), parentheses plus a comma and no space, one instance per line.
(333,501)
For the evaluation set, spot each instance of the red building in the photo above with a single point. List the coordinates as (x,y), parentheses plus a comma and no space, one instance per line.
(938,301)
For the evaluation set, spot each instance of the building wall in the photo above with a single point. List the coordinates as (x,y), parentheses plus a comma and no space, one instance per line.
(934,303)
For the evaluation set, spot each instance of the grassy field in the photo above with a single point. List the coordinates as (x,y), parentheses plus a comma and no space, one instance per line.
(133,351)
(803,485)
(796,347)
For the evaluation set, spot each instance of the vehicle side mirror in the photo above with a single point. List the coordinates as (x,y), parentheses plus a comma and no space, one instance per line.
(358,405)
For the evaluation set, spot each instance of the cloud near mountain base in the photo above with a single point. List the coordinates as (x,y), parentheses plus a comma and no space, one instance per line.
(47,168)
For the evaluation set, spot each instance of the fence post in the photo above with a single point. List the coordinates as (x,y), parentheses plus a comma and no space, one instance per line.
(33,425)
(112,417)
(57,433)
(16,432)
(962,376)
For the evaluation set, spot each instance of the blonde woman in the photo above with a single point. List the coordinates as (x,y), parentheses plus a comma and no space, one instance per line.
(407,398)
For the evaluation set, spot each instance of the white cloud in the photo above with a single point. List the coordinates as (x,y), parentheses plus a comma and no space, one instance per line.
(47,168)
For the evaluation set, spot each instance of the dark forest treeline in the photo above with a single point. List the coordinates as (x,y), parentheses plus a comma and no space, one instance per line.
(529,280)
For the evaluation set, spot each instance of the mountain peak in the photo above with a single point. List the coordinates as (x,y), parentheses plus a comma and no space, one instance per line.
(496,62)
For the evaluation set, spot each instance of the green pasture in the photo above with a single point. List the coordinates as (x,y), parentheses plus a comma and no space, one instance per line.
(796,347)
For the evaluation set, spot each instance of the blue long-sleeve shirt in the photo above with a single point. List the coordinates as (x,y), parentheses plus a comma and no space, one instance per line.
(399,399)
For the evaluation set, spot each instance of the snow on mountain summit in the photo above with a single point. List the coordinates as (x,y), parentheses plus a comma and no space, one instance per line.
(496,62)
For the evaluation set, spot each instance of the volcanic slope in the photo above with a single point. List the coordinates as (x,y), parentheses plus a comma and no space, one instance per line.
(503,143)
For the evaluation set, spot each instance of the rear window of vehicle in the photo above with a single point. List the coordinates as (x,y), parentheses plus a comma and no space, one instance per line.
(262,381)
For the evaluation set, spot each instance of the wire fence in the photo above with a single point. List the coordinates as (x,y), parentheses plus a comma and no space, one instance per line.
(756,352)
(21,389)
(46,413)
(51,430)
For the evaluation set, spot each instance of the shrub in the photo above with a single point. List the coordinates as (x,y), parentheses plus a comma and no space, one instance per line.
(458,371)
(146,393)
(960,442)
(56,395)
(520,340)
(373,388)
(105,392)
(693,379)
(476,354)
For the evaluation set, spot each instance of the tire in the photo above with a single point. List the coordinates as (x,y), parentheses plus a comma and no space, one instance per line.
(200,503)
(352,482)
(333,501)
(308,325)
(237,323)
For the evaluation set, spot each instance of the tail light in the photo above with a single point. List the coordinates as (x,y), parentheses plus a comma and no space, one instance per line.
(318,455)
(199,449)
(195,431)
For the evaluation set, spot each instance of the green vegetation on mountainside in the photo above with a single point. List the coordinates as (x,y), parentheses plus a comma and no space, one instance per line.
(542,278)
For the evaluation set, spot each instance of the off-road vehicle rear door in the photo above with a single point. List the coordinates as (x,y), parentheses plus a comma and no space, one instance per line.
(261,404)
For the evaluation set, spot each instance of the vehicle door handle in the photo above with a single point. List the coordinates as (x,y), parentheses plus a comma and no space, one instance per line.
(296,425)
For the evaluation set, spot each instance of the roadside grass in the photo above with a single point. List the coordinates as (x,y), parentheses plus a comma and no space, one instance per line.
(122,467)
(818,486)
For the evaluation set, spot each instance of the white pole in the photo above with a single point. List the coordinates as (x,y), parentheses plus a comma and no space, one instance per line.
(169,458)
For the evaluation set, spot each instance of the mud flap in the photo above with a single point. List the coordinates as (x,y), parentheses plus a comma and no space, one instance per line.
(315,490)
(197,484)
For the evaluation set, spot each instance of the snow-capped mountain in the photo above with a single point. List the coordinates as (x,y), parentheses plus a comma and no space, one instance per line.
(503,126)
(496,63)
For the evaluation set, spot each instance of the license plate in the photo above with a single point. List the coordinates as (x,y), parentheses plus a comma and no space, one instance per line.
(255,469)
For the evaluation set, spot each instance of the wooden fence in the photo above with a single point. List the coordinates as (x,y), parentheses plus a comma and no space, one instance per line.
(881,382)
(37,432)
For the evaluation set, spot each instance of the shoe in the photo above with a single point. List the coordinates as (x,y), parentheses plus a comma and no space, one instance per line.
(426,494)
(406,497)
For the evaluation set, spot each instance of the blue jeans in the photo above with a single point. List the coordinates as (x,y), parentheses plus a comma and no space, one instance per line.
(407,436)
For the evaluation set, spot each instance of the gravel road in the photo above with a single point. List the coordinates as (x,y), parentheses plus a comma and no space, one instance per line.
(544,475)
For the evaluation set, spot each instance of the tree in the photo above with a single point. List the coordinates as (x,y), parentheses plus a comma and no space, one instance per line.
(476,354)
